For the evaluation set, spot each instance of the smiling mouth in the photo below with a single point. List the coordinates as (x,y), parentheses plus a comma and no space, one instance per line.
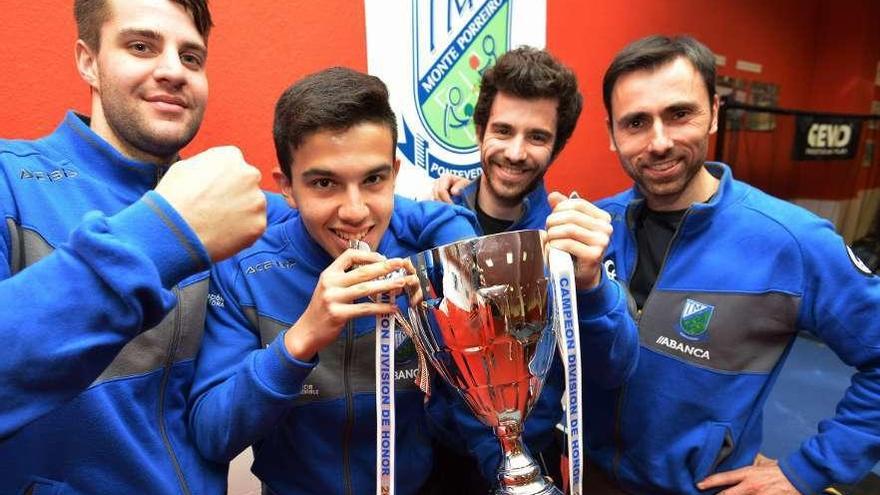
(662,166)
(512,171)
(168,100)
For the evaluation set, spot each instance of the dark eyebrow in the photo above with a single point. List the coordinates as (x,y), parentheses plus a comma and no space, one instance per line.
(500,125)
(323,172)
(379,169)
(676,107)
(141,33)
(317,172)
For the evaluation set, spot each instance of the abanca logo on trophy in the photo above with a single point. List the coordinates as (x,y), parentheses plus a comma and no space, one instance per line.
(435,78)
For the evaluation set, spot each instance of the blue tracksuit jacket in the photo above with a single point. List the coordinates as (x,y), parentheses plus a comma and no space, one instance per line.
(743,273)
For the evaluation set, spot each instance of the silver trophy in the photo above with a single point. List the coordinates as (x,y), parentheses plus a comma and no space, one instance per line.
(481,315)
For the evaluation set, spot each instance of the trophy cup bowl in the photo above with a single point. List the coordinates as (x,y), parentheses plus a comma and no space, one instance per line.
(481,315)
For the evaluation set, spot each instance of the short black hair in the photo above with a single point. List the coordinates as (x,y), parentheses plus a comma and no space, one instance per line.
(651,52)
(336,98)
(527,72)
(90,15)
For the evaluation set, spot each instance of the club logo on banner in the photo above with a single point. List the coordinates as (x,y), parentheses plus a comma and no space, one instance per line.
(432,54)
(825,138)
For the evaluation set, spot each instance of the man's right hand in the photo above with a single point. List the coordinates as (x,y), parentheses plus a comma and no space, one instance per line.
(218,194)
(448,185)
(353,276)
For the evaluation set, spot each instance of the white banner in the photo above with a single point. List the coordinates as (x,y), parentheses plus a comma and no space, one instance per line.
(431,54)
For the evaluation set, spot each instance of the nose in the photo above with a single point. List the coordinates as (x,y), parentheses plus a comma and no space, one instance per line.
(515,150)
(660,142)
(169,68)
(353,209)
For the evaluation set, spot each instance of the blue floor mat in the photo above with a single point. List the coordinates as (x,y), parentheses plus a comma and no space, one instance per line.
(812,380)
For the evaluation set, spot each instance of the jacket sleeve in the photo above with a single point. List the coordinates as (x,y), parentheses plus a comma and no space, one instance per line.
(609,334)
(429,224)
(240,390)
(64,318)
(840,305)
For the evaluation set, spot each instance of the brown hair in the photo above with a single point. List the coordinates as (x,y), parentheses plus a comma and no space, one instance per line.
(337,98)
(653,51)
(527,72)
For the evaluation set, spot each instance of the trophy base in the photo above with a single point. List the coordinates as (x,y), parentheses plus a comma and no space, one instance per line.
(541,485)
(520,475)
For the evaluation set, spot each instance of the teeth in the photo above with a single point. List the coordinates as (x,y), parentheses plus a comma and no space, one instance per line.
(351,236)
(512,170)
(663,165)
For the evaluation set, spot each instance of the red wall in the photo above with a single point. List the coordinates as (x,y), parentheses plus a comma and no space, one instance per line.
(255,52)
(821,54)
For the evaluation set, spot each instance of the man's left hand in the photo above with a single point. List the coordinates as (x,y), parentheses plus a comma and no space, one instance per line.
(764,478)
(583,230)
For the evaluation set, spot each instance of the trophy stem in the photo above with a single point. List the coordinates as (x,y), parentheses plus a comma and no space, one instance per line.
(519,474)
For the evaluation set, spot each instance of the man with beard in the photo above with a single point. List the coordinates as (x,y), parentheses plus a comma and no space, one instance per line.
(724,277)
(527,109)
(103,261)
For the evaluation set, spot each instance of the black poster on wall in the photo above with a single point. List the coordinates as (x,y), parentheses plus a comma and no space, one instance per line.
(825,138)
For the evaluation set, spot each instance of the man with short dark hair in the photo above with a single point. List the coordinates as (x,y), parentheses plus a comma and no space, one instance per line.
(724,277)
(103,261)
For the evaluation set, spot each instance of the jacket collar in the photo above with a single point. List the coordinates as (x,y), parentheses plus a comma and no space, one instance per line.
(533,203)
(89,152)
(728,193)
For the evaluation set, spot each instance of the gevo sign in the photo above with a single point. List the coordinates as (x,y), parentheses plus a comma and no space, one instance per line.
(825,138)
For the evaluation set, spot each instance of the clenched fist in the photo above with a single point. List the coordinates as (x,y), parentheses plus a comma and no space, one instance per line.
(581,229)
(218,195)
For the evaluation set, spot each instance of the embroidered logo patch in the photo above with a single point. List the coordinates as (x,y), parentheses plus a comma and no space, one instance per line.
(610,269)
(694,321)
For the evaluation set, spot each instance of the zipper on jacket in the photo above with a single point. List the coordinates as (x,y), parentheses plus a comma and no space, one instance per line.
(618,448)
(349,408)
(166,373)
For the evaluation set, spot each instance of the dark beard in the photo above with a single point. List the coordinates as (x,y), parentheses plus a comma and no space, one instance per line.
(516,199)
